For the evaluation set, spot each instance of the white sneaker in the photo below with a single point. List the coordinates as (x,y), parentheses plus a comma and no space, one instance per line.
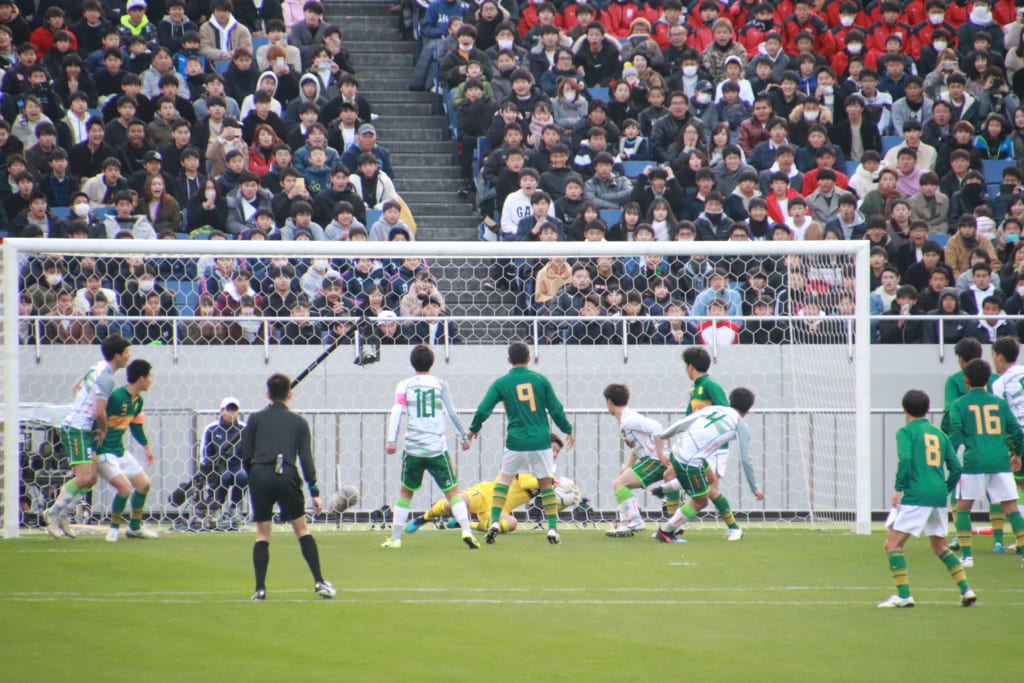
(619,531)
(394,543)
(113,535)
(637,524)
(733,534)
(325,589)
(553,537)
(967,562)
(141,533)
(968,598)
(51,524)
(897,601)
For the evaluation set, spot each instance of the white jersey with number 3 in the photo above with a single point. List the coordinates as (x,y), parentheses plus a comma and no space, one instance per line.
(1010,386)
(426,402)
(638,431)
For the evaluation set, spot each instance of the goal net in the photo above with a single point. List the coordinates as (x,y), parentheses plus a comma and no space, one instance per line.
(789,320)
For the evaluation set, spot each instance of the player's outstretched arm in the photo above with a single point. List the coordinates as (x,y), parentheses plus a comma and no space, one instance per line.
(449,408)
(678,426)
(743,442)
(484,410)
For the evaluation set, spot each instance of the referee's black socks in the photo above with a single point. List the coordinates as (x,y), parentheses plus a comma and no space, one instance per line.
(260,560)
(312,555)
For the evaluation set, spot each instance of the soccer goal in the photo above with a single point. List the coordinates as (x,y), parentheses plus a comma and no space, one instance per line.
(789,320)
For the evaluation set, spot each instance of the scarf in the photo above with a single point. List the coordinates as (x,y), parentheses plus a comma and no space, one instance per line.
(224,33)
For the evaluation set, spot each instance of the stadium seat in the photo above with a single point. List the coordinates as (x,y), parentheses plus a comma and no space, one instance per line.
(632,169)
(186,295)
(598,93)
(851,168)
(890,141)
(993,170)
(372,216)
(104,211)
(60,212)
(221,66)
(611,216)
(939,237)
(258,42)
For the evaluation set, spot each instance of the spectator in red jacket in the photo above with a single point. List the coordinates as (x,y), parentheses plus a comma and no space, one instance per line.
(702,23)
(671,15)
(803,19)
(53,22)
(889,25)
(757,28)
(619,15)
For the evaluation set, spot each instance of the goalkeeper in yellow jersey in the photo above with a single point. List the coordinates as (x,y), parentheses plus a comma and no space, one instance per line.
(478,498)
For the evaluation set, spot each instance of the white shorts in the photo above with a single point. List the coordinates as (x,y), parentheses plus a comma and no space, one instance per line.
(999,486)
(921,519)
(538,463)
(718,461)
(109,465)
(686,452)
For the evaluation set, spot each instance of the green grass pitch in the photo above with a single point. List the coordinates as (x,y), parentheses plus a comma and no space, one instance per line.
(780,605)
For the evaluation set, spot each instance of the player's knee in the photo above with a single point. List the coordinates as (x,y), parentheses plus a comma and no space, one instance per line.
(508,525)
(88,480)
(124,490)
(699,502)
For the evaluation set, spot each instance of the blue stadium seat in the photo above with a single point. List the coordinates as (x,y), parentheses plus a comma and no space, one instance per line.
(60,212)
(993,170)
(851,167)
(890,141)
(186,295)
(598,93)
(221,66)
(372,216)
(104,211)
(940,237)
(632,169)
(482,147)
(258,42)
(611,216)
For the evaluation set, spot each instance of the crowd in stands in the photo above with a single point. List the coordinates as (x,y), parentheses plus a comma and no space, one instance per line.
(895,122)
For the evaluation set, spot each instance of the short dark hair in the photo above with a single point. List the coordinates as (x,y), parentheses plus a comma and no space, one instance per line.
(1007,347)
(967,349)
(113,345)
(741,399)
(518,353)
(698,357)
(138,368)
(421,358)
(618,394)
(278,386)
(916,403)
(977,373)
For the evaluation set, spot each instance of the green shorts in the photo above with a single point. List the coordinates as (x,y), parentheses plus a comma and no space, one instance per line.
(648,471)
(694,479)
(77,446)
(439,466)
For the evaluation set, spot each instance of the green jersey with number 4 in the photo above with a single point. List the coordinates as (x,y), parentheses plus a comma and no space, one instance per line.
(528,399)
(923,450)
(984,425)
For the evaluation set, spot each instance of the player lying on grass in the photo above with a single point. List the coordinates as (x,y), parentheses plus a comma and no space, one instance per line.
(118,466)
(84,429)
(919,501)
(479,500)
(425,401)
(647,462)
(694,440)
(983,425)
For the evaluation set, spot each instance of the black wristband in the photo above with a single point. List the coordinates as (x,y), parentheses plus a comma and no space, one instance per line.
(314,491)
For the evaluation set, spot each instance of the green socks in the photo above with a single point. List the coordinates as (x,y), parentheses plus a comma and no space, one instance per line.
(498,501)
(550,502)
(722,505)
(117,510)
(138,502)
(998,520)
(963,531)
(956,570)
(672,501)
(1017,524)
(622,494)
(898,567)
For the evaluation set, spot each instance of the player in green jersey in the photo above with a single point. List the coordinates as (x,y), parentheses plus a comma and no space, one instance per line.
(991,436)
(919,500)
(529,399)
(967,350)
(707,392)
(118,466)
(83,430)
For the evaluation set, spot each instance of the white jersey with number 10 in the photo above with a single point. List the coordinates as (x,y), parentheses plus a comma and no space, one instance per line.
(1010,386)
(426,401)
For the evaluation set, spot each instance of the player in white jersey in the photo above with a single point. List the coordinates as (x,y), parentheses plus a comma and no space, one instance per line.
(647,460)
(1010,387)
(84,430)
(425,401)
(694,440)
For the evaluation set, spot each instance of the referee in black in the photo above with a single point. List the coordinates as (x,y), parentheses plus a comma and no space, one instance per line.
(275,442)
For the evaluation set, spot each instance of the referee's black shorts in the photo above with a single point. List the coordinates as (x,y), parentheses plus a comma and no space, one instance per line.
(266,487)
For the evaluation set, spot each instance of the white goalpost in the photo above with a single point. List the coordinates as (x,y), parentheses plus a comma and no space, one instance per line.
(811,425)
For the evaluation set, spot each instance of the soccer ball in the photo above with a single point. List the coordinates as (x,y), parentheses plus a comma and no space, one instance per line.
(346,497)
(567,493)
